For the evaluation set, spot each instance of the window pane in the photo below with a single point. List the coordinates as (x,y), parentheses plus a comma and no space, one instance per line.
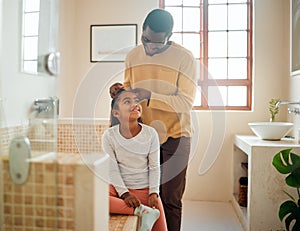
(237,44)
(173,2)
(217,1)
(237,68)
(192,42)
(31,5)
(30,48)
(227,47)
(177,15)
(30,66)
(191,2)
(191,19)
(217,17)
(176,37)
(199,68)
(237,96)
(197,101)
(217,44)
(236,17)
(31,24)
(217,96)
(217,68)
(238,1)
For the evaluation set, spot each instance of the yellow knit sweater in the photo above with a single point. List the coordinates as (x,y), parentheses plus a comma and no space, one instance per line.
(171,78)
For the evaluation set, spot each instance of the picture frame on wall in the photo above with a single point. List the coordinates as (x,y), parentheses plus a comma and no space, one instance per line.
(112,42)
(295,37)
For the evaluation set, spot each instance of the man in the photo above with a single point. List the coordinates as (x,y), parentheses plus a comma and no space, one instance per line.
(162,73)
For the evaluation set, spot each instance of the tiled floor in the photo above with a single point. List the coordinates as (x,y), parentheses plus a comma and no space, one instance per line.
(209,216)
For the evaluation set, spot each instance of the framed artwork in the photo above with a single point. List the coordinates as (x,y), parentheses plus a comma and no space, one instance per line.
(112,42)
(295,37)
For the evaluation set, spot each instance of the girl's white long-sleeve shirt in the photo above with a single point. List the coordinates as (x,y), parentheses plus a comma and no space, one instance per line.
(134,162)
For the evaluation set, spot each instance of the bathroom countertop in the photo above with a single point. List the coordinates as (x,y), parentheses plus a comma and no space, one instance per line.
(67,158)
(247,142)
(265,184)
(92,121)
(81,159)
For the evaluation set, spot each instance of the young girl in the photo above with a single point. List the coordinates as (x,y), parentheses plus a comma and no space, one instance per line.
(134,163)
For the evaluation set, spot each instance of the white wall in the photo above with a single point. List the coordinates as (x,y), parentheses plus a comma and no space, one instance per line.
(76,18)
(17,90)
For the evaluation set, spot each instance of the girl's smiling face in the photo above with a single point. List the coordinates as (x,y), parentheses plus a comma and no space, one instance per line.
(128,107)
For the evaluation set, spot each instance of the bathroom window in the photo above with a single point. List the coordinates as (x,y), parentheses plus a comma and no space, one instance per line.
(30,36)
(39,37)
(219,33)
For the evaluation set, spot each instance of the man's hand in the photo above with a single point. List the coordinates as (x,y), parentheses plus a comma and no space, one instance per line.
(130,200)
(142,93)
(153,200)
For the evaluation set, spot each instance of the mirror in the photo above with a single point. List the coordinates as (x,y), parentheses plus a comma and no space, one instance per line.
(39,37)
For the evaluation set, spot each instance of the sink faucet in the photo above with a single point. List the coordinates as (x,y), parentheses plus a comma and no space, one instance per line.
(286,102)
(296,111)
(46,107)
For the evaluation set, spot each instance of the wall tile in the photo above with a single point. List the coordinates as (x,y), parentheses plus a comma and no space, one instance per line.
(50,187)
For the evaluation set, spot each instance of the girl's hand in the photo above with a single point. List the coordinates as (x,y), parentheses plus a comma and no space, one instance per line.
(131,201)
(153,200)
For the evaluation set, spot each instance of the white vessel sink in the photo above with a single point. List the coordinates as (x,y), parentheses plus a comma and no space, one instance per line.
(271,130)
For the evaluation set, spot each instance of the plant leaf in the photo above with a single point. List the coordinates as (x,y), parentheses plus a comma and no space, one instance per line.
(296,226)
(295,160)
(288,221)
(286,208)
(287,162)
(273,110)
(290,211)
(282,165)
(293,179)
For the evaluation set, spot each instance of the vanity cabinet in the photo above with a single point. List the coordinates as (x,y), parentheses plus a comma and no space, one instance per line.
(265,185)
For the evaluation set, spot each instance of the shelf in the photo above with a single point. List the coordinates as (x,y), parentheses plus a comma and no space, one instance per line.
(245,166)
(240,211)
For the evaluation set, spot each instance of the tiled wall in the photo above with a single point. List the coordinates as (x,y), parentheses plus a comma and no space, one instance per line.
(42,135)
(47,199)
(30,206)
(72,136)
(79,137)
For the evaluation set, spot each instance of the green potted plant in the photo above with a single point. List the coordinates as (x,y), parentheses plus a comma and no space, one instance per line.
(273,110)
(287,162)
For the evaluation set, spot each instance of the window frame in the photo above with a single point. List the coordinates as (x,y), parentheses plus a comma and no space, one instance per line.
(25,36)
(204,82)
